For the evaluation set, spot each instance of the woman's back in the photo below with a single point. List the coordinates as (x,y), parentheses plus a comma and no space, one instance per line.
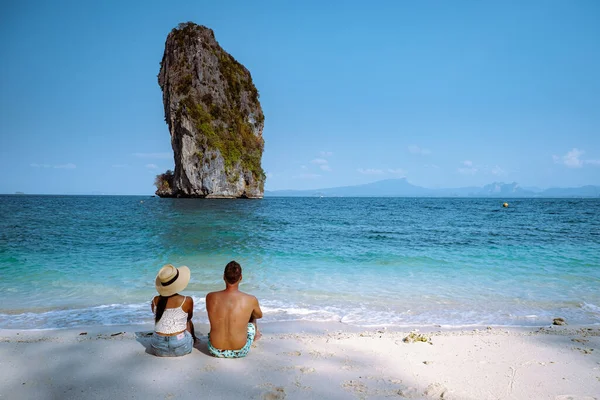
(175,315)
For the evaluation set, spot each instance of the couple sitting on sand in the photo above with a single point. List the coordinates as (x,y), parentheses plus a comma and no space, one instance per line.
(232,315)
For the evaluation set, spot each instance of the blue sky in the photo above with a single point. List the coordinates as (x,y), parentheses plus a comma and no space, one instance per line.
(446,94)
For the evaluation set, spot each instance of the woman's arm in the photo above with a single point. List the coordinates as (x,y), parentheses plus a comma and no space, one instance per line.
(190,329)
(152,304)
(190,324)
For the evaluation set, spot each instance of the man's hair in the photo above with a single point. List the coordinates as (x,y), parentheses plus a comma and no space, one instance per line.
(233,272)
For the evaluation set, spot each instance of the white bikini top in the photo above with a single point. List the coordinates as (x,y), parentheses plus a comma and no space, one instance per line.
(173,320)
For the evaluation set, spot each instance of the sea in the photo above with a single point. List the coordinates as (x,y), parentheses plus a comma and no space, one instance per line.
(75,261)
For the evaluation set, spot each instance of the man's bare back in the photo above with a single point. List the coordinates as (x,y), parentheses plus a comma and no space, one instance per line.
(229,312)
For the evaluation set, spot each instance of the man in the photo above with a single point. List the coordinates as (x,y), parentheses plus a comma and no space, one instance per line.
(232,315)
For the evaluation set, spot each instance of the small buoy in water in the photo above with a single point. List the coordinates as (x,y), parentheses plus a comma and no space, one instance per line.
(141,201)
(505,205)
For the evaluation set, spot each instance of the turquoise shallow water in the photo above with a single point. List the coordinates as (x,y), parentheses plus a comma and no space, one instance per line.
(69,261)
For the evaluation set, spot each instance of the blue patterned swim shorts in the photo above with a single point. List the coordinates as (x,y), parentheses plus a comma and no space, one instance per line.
(243,352)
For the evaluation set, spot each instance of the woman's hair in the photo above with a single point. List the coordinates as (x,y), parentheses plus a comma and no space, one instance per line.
(160,306)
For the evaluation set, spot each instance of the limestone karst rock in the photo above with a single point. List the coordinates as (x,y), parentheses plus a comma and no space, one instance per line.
(214,117)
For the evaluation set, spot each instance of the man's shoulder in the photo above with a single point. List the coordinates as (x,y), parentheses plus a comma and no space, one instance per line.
(210,296)
(248,296)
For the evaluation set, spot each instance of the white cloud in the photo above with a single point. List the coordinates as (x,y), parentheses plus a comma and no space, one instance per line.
(571,159)
(468,169)
(498,171)
(156,156)
(370,171)
(307,176)
(66,166)
(322,163)
(151,166)
(303,167)
(326,153)
(414,149)
(398,171)
(60,166)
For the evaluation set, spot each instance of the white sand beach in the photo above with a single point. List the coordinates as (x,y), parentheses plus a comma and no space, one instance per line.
(307,361)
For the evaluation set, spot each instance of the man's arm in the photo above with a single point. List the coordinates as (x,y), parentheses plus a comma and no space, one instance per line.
(256,314)
(256,311)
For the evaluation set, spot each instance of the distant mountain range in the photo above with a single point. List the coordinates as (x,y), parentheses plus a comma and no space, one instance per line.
(402,188)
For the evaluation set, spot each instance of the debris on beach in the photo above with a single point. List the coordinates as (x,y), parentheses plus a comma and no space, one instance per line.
(580,340)
(117,334)
(436,390)
(83,334)
(278,393)
(359,388)
(408,392)
(414,337)
(584,351)
(559,321)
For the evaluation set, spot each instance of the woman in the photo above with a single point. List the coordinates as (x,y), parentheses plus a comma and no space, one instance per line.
(173,329)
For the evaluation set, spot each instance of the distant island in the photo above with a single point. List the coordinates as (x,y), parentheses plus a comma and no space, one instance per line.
(402,188)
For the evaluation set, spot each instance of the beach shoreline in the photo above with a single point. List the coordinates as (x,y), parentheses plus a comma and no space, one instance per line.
(297,360)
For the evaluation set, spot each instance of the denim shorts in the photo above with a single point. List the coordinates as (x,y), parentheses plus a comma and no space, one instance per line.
(172,346)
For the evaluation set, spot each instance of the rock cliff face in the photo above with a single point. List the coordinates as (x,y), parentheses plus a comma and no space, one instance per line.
(214,117)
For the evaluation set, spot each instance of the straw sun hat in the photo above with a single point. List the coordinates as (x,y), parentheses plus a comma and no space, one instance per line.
(171,280)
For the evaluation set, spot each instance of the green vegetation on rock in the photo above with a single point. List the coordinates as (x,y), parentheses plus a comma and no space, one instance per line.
(164,182)
(236,142)
(185,32)
(223,126)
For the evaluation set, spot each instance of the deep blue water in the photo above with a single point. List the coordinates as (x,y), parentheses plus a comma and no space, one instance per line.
(83,260)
